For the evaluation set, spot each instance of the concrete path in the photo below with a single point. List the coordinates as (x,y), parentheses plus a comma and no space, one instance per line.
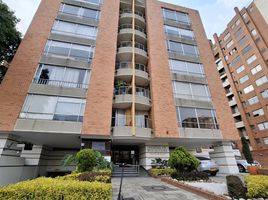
(147,188)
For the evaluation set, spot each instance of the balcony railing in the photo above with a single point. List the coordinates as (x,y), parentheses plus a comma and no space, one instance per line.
(123,26)
(129,44)
(192,97)
(188,24)
(130,11)
(181,36)
(142,121)
(128,65)
(58,83)
(143,92)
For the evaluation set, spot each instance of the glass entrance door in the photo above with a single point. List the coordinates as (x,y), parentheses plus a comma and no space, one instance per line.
(125,154)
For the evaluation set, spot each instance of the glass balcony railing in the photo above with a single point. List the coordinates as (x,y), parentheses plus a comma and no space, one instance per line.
(130,11)
(129,44)
(124,90)
(128,65)
(142,121)
(129,26)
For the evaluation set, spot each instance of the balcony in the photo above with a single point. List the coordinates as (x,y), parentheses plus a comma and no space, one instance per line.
(122,126)
(123,98)
(226,83)
(125,33)
(125,51)
(126,17)
(232,103)
(124,72)
(240,124)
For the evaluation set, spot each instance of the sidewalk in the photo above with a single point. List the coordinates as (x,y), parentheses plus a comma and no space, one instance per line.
(147,188)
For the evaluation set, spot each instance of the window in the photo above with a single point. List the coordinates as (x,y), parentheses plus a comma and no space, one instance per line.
(237,22)
(263,126)
(234,61)
(253,100)
(245,16)
(197,118)
(79,11)
(229,44)
(254,32)
(62,76)
(261,80)
(257,140)
(258,112)
(176,16)
(243,79)
(240,69)
(182,67)
(246,49)
(53,108)
(256,69)
(242,40)
(188,34)
(98,2)
(191,91)
(265,140)
(238,32)
(251,59)
(248,89)
(264,94)
(226,37)
(63,49)
(67,28)
(184,49)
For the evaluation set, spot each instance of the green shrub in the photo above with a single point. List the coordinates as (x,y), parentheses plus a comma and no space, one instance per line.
(160,172)
(69,177)
(101,162)
(235,187)
(86,160)
(190,176)
(246,151)
(95,176)
(48,188)
(257,186)
(181,160)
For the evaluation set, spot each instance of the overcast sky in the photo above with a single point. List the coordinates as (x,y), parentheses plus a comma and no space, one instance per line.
(215,14)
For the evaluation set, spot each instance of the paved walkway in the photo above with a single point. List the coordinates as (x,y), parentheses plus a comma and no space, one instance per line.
(147,188)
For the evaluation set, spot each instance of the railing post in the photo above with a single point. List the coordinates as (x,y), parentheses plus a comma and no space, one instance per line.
(120,197)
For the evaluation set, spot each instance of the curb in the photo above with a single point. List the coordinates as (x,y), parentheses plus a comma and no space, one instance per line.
(206,194)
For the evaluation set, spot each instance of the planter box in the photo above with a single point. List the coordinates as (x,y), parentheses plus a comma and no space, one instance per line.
(263,172)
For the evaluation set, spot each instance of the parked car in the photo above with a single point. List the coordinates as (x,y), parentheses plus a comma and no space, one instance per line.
(242,164)
(207,165)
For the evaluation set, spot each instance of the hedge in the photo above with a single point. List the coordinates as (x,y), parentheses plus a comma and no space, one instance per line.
(159,172)
(257,186)
(56,189)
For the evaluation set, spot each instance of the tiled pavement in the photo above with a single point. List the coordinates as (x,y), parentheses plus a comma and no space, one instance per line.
(140,188)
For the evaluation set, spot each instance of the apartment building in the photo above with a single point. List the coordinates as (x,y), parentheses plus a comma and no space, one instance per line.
(241,56)
(132,79)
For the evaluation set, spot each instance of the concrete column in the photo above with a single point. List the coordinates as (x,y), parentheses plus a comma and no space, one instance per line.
(224,155)
(150,152)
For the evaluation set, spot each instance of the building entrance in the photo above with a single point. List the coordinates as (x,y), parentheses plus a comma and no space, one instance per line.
(125,154)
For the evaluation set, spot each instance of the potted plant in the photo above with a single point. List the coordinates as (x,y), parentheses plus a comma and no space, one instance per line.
(253,170)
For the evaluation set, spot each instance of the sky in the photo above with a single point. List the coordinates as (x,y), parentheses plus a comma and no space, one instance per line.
(215,14)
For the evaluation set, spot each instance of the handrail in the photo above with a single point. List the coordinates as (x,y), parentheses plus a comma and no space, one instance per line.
(175,71)
(130,11)
(123,26)
(185,23)
(181,36)
(123,90)
(128,65)
(79,16)
(59,83)
(193,97)
(129,44)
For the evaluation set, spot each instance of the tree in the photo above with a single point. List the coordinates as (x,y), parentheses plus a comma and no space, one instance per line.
(246,150)
(10,38)
(181,160)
